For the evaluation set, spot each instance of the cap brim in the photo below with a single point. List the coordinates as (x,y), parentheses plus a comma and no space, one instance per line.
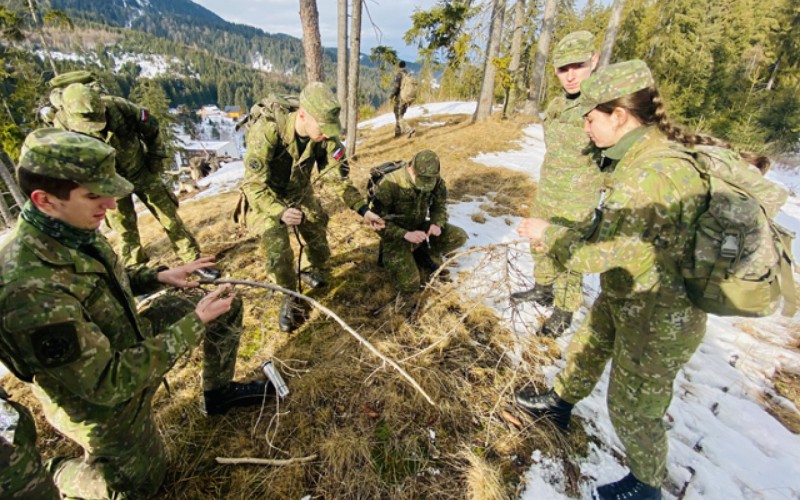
(331,129)
(86,126)
(115,187)
(573,59)
(585,107)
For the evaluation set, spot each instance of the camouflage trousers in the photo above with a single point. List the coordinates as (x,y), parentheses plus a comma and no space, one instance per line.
(276,238)
(648,342)
(124,454)
(163,204)
(398,258)
(400,125)
(22,475)
(567,285)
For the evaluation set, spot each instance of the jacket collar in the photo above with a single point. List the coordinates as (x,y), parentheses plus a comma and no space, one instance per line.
(50,250)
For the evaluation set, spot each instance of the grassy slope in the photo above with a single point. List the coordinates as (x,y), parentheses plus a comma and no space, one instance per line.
(369,428)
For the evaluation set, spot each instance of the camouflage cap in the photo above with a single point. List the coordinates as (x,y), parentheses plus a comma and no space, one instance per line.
(64,79)
(76,157)
(614,81)
(577,47)
(426,169)
(323,106)
(84,109)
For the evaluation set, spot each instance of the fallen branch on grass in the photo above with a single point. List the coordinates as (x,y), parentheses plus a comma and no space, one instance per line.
(265,461)
(339,320)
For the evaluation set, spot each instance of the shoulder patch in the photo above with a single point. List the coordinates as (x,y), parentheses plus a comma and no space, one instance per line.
(144,115)
(254,164)
(338,153)
(56,345)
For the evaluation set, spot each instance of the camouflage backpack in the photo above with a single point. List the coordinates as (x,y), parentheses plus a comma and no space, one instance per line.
(377,174)
(740,262)
(408,88)
(272,108)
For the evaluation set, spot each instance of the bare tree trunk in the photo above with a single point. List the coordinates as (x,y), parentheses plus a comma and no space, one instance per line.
(341,61)
(516,55)
(352,78)
(774,74)
(486,99)
(40,31)
(312,45)
(10,182)
(5,212)
(540,61)
(611,33)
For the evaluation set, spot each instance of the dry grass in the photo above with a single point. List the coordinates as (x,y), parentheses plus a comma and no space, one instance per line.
(787,384)
(374,435)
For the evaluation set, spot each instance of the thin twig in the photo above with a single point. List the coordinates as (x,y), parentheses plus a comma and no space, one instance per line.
(266,461)
(339,320)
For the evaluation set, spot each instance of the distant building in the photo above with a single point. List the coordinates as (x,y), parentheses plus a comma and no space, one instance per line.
(209,110)
(219,149)
(234,112)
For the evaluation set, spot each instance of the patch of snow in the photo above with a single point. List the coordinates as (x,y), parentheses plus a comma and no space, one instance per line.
(421,110)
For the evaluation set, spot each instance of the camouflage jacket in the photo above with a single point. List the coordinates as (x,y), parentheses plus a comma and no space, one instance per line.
(133,132)
(278,173)
(397,82)
(406,208)
(570,180)
(69,323)
(637,243)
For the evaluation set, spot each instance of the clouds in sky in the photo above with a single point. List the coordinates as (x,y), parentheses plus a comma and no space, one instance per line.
(392,18)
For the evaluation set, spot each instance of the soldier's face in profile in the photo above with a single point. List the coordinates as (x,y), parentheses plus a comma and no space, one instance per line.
(311,127)
(601,127)
(84,209)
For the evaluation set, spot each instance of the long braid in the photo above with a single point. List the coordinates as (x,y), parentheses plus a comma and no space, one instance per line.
(647,106)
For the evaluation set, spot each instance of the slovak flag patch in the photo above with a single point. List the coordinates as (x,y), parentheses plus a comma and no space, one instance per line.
(337,155)
(145,115)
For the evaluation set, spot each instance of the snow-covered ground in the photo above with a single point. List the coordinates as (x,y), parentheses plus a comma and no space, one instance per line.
(723,443)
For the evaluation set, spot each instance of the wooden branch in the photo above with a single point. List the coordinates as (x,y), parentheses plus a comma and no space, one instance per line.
(341,322)
(265,461)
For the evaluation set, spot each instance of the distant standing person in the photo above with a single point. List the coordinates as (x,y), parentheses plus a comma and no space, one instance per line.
(404,92)
(569,184)
(133,132)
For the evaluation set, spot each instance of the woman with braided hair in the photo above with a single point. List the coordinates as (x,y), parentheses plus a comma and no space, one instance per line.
(643,320)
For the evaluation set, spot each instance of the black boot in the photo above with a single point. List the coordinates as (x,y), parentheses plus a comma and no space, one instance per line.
(424,260)
(292,314)
(627,488)
(312,278)
(219,401)
(556,324)
(208,274)
(541,294)
(547,405)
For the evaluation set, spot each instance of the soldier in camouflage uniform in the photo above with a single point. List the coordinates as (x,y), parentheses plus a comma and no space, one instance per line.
(134,134)
(413,202)
(22,475)
(570,181)
(70,325)
(643,320)
(400,106)
(278,191)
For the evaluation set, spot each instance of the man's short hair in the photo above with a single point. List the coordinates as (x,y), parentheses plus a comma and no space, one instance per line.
(30,182)
(401,64)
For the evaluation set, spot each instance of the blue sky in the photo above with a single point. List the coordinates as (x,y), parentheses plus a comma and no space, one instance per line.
(392,18)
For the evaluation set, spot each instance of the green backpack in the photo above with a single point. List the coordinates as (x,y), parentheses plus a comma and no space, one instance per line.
(740,262)
(272,108)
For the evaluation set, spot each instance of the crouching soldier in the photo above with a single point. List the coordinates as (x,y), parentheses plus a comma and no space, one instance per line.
(70,327)
(412,200)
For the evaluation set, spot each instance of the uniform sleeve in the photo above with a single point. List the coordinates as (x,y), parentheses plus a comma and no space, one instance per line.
(634,213)
(439,204)
(395,90)
(382,203)
(146,127)
(334,171)
(143,279)
(262,140)
(64,349)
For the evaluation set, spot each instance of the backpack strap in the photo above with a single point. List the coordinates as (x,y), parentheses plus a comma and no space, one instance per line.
(786,277)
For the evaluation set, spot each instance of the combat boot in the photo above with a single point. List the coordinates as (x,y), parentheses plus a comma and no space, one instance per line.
(291,315)
(556,324)
(627,488)
(208,274)
(541,294)
(219,401)
(547,405)
(312,278)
